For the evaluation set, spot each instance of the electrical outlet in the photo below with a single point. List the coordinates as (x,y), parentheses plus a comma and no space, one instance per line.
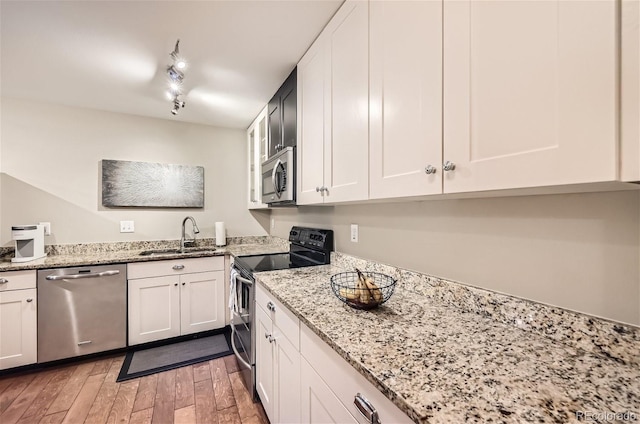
(47,228)
(126,227)
(354,233)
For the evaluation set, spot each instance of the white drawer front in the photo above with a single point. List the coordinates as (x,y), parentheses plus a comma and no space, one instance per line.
(174,266)
(17,280)
(281,317)
(345,381)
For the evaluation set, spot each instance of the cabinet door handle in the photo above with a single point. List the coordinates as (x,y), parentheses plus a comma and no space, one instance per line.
(175,284)
(184,284)
(271,306)
(429,169)
(178,267)
(29,300)
(366,409)
(448,166)
(3,281)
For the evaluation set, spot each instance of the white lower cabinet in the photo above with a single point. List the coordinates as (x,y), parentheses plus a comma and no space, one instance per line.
(342,381)
(319,403)
(18,319)
(277,360)
(301,379)
(175,297)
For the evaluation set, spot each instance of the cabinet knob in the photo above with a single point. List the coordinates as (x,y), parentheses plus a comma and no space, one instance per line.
(29,300)
(178,267)
(3,281)
(429,169)
(271,306)
(448,166)
(184,284)
(321,189)
(175,284)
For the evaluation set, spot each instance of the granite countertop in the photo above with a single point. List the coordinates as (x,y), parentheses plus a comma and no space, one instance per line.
(111,253)
(440,364)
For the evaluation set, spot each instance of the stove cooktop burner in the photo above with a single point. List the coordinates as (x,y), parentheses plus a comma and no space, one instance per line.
(273,262)
(307,247)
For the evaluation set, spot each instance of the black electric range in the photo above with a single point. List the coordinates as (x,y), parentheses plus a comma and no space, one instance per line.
(308,247)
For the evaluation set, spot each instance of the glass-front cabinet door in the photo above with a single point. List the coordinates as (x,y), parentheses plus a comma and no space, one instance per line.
(258,151)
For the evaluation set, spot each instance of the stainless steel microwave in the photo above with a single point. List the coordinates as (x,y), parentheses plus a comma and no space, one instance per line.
(278,178)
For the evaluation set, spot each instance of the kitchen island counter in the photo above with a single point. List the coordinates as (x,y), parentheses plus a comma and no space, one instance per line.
(441,364)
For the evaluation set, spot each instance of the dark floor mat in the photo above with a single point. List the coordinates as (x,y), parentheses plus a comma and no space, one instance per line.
(157,359)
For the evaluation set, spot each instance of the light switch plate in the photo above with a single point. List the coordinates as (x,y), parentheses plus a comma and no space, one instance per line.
(354,233)
(126,226)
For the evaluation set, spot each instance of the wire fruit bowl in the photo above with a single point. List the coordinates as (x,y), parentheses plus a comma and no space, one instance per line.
(355,293)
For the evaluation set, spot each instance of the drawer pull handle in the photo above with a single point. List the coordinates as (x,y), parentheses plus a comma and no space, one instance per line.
(366,409)
(178,267)
(3,281)
(271,306)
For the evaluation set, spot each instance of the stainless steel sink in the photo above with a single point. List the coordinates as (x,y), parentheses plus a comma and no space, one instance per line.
(185,251)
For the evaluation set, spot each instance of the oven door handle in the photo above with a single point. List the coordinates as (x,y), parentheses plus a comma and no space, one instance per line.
(235,350)
(244,280)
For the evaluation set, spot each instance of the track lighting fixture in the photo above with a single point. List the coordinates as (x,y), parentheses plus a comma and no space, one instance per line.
(175,74)
(177,104)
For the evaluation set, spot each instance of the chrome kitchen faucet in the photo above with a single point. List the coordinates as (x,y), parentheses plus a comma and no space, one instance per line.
(196,230)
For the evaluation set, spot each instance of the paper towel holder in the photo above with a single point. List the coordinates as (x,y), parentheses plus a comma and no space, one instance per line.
(221,235)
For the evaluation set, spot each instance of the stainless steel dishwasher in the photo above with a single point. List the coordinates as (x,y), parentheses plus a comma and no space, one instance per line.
(81,310)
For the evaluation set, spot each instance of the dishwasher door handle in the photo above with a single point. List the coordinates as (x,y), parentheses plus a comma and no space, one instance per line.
(78,276)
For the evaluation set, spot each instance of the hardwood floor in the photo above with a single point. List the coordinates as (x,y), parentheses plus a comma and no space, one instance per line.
(208,393)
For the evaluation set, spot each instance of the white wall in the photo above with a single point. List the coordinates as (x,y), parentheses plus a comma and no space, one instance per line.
(577,251)
(50,161)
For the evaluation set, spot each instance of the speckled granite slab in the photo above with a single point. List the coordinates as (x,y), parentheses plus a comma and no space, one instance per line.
(618,341)
(444,363)
(125,252)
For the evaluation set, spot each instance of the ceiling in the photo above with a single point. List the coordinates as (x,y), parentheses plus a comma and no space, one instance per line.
(113,55)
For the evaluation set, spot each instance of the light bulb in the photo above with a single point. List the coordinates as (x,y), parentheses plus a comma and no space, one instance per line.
(169,95)
(181,64)
(174,87)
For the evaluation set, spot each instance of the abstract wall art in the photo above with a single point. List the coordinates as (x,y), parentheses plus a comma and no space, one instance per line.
(146,184)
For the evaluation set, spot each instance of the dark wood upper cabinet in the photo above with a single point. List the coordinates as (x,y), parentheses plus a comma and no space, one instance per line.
(282,116)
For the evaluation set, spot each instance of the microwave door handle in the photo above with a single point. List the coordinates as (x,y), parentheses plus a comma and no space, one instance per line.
(276,186)
(273,180)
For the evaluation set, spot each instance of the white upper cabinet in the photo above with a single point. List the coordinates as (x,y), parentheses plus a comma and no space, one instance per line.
(333,83)
(312,92)
(468,96)
(257,151)
(630,91)
(405,98)
(530,93)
